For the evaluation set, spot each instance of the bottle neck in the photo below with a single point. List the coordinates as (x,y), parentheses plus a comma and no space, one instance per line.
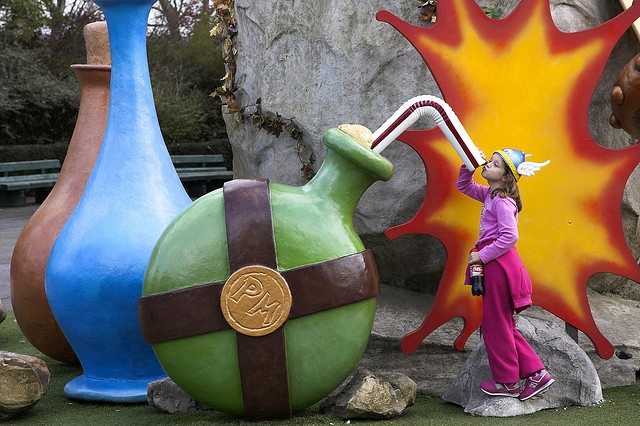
(130,80)
(341,181)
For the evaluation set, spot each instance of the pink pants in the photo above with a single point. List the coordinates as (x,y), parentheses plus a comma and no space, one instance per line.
(511,358)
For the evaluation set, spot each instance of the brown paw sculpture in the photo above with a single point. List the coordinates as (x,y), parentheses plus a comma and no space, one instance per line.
(625,99)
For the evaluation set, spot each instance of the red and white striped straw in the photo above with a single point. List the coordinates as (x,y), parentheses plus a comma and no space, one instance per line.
(446,120)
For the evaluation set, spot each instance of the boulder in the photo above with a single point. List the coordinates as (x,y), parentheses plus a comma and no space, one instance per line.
(167,396)
(436,364)
(577,382)
(365,395)
(3,312)
(24,380)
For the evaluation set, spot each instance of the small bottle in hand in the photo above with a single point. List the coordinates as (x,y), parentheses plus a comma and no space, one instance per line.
(477,279)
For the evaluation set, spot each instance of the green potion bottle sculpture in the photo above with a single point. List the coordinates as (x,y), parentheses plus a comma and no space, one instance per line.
(259,298)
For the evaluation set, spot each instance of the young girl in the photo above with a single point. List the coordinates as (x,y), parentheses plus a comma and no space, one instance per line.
(507,283)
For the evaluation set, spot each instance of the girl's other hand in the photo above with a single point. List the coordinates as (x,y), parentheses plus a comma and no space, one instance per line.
(474,258)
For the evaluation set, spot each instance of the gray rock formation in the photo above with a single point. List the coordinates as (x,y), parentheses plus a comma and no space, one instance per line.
(577,382)
(166,395)
(24,381)
(3,312)
(365,395)
(436,364)
(331,62)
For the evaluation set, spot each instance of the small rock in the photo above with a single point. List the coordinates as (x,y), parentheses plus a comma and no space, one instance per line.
(24,380)
(3,312)
(366,396)
(166,395)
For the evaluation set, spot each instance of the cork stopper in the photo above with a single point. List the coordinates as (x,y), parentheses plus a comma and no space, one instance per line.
(359,133)
(96,40)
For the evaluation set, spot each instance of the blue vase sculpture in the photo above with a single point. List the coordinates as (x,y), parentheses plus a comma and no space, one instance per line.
(97,264)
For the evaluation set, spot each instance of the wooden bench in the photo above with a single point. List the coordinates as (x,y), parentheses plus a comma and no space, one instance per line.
(201,173)
(19,176)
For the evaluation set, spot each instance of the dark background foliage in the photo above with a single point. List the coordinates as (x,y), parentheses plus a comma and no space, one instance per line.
(40,96)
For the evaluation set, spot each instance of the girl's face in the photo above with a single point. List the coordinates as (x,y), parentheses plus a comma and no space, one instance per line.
(494,171)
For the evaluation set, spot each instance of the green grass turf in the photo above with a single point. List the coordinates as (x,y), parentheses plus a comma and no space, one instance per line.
(621,406)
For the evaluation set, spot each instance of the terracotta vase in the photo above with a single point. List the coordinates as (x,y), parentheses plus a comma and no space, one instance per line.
(97,264)
(33,247)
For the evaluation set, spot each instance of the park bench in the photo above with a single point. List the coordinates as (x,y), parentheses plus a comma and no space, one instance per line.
(17,177)
(201,173)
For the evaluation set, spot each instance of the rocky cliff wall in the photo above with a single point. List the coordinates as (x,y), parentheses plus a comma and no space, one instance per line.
(331,62)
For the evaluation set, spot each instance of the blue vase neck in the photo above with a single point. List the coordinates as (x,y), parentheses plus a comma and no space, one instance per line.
(133,149)
(130,78)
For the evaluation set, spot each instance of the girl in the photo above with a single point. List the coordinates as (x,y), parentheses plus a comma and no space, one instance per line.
(507,283)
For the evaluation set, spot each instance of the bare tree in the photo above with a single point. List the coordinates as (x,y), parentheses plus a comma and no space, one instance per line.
(67,21)
(175,19)
(57,24)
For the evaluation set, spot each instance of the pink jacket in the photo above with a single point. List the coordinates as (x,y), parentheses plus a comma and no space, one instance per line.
(498,220)
(498,236)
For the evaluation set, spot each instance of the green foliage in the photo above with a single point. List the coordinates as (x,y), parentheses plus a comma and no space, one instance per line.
(36,106)
(186,115)
(429,11)
(53,151)
(40,96)
(182,74)
(56,24)
(181,114)
(205,52)
(492,12)
(23,21)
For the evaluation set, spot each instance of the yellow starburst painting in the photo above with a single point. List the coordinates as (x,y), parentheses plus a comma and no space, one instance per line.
(520,82)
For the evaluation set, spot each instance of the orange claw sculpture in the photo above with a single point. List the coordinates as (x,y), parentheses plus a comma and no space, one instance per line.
(520,79)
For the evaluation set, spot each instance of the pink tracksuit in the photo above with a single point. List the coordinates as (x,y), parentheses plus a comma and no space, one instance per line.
(507,284)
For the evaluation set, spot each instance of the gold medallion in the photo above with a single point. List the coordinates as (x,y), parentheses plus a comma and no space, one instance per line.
(255,300)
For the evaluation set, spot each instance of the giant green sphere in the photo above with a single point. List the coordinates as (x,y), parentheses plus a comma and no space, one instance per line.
(311,225)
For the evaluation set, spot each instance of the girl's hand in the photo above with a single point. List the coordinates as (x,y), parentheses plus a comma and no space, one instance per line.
(474,258)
